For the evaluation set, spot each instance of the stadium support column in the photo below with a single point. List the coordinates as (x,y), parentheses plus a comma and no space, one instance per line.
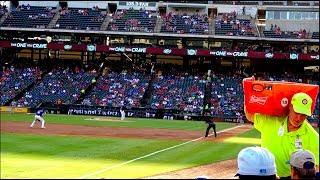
(32,52)
(185,62)
(86,57)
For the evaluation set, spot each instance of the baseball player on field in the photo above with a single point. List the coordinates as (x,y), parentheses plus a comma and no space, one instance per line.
(39,117)
(123,114)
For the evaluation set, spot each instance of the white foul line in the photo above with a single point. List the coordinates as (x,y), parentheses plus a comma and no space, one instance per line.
(156,152)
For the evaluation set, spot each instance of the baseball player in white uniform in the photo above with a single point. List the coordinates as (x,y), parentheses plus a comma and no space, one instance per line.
(39,117)
(123,114)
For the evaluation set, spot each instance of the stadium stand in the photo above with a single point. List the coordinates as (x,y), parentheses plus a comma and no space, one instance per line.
(118,89)
(3,10)
(133,20)
(14,80)
(60,86)
(185,24)
(226,95)
(29,17)
(228,24)
(275,32)
(183,92)
(84,19)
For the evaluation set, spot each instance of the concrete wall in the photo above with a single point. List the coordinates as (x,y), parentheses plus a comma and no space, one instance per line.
(71,4)
(188,11)
(40,3)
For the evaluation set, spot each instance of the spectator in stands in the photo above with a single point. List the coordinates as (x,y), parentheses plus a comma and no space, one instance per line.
(302,164)
(256,163)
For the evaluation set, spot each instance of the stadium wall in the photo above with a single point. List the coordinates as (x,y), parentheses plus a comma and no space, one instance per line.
(40,3)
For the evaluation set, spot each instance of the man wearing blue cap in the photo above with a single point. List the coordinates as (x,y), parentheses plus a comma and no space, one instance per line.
(39,117)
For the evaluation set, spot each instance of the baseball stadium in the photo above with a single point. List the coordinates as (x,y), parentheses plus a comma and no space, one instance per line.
(156,89)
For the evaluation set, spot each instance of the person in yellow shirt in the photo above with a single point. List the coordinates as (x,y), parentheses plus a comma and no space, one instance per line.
(284,135)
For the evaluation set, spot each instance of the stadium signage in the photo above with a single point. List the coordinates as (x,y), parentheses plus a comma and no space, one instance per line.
(294,56)
(240,54)
(159,50)
(93,111)
(167,51)
(124,49)
(117,49)
(141,50)
(269,55)
(218,53)
(91,48)
(67,47)
(29,45)
(192,52)
(140,4)
(225,53)
(315,57)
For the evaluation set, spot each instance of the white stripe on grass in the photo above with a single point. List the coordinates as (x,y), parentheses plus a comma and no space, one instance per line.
(148,155)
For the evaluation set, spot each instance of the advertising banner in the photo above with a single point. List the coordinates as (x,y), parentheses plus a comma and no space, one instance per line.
(160,51)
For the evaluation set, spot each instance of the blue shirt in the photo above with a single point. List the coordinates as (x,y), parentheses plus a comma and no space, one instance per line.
(40,112)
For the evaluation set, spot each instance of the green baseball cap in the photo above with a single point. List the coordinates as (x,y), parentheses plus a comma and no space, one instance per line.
(302,103)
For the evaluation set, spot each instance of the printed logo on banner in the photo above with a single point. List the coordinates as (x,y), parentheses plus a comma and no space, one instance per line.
(284,102)
(192,52)
(315,57)
(240,54)
(218,53)
(67,47)
(91,47)
(27,45)
(167,51)
(294,56)
(269,55)
(117,49)
(141,50)
(258,100)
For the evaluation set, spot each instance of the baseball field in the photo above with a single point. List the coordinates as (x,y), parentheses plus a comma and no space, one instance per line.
(105,147)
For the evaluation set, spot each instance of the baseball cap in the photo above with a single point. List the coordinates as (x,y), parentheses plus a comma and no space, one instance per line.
(256,161)
(302,103)
(301,158)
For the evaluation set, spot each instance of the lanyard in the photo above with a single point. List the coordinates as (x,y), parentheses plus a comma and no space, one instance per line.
(281,129)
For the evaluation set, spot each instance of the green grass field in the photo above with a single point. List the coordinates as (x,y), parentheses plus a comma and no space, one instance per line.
(48,156)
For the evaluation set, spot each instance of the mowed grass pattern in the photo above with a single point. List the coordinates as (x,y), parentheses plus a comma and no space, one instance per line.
(36,156)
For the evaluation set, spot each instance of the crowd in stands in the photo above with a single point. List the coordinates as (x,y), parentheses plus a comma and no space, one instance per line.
(171,88)
(14,80)
(228,24)
(61,85)
(275,32)
(29,16)
(118,89)
(75,18)
(3,10)
(185,24)
(133,20)
(226,95)
(182,91)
